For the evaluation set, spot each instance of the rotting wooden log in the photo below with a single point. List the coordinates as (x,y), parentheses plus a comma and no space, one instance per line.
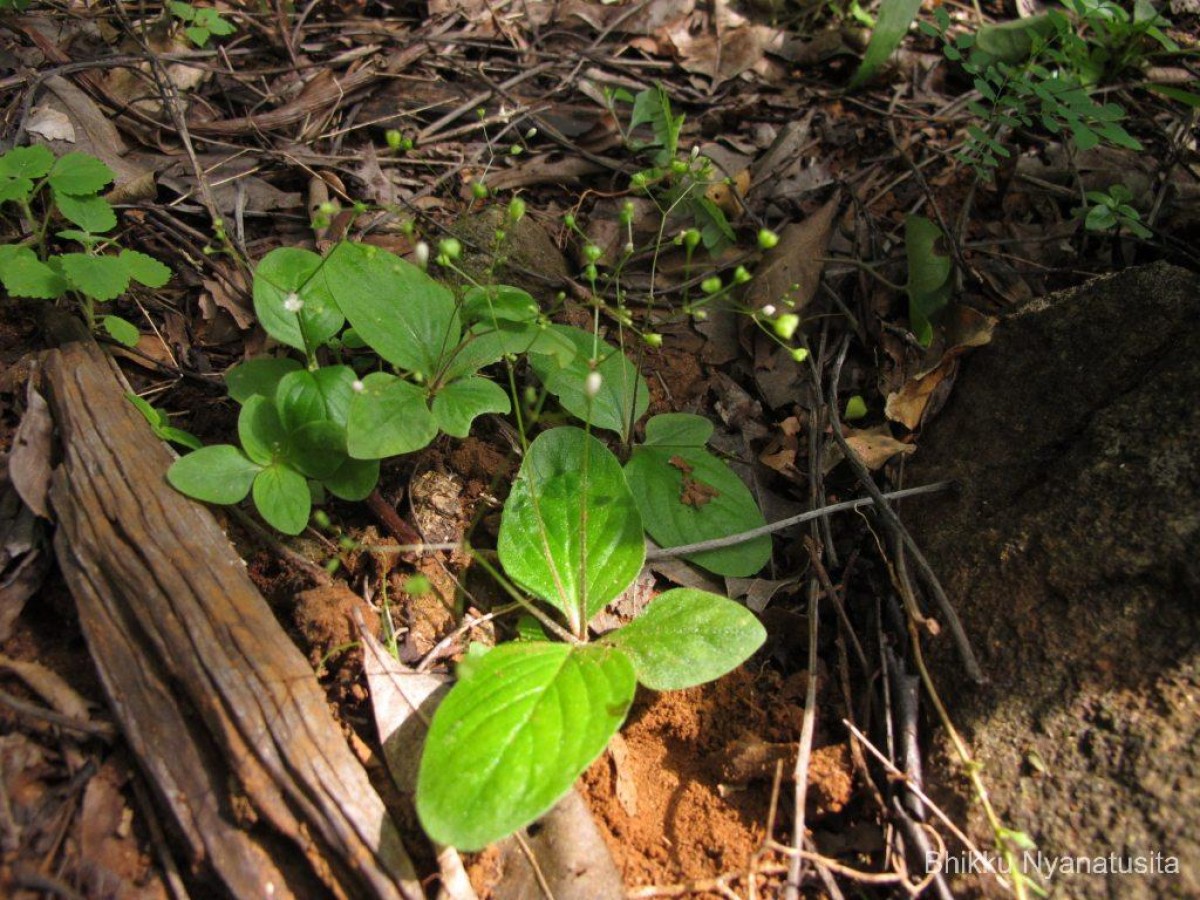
(223,713)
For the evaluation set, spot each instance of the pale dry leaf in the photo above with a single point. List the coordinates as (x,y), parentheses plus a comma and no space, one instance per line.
(24,561)
(51,124)
(29,461)
(50,686)
(625,787)
(758,592)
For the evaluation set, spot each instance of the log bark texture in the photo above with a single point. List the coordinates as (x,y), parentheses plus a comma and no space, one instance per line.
(222,711)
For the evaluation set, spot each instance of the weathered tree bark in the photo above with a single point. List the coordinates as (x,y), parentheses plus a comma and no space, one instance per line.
(222,711)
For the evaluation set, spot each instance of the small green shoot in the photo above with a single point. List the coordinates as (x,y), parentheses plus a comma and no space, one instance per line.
(200,22)
(1110,212)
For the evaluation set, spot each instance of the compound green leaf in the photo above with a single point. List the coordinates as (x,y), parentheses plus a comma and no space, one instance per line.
(388,417)
(262,434)
(100,277)
(929,282)
(292,300)
(687,637)
(220,474)
(623,396)
(687,495)
(27,162)
(457,404)
(403,314)
(145,269)
(571,532)
(79,173)
(121,330)
(282,497)
(514,733)
(91,213)
(894,18)
(258,376)
(354,479)
(24,275)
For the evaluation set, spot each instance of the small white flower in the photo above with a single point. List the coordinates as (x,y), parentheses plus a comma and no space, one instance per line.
(768,310)
(292,302)
(629,247)
(357,386)
(421,252)
(591,384)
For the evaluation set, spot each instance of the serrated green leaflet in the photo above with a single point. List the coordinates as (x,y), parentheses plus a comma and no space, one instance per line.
(292,301)
(571,532)
(513,735)
(121,330)
(687,495)
(389,416)
(282,497)
(89,212)
(404,315)
(257,376)
(219,474)
(100,277)
(929,281)
(26,162)
(457,404)
(687,637)
(79,173)
(623,396)
(145,270)
(24,275)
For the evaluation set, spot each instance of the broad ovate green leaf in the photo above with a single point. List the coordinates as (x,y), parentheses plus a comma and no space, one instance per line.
(623,396)
(929,275)
(24,275)
(687,637)
(79,173)
(261,432)
(404,315)
(282,497)
(100,277)
(514,733)
(219,474)
(91,213)
(292,300)
(258,376)
(571,533)
(687,495)
(388,417)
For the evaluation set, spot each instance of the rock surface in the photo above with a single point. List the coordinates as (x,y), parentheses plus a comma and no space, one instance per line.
(1073,557)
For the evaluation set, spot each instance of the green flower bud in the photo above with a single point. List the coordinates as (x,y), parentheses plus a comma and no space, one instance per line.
(786,325)
(711,284)
(691,238)
(653,339)
(516,210)
(767,239)
(393,138)
(589,272)
(479,190)
(799,354)
(740,275)
(592,253)
(450,248)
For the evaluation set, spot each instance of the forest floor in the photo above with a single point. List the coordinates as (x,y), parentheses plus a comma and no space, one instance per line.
(401,125)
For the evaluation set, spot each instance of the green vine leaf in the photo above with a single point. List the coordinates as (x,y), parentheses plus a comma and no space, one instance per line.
(24,275)
(687,637)
(102,278)
(79,173)
(514,733)
(144,269)
(27,162)
(91,213)
(571,533)
(121,330)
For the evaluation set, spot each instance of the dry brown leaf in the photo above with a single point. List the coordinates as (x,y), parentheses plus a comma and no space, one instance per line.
(51,124)
(547,168)
(728,197)
(791,271)
(625,786)
(24,561)
(907,405)
(875,446)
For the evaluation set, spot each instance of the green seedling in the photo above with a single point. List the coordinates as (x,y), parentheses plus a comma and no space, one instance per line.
(39,187)
(293,436)
(526,719)
(161,425)
(200,22)
(1110,212)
